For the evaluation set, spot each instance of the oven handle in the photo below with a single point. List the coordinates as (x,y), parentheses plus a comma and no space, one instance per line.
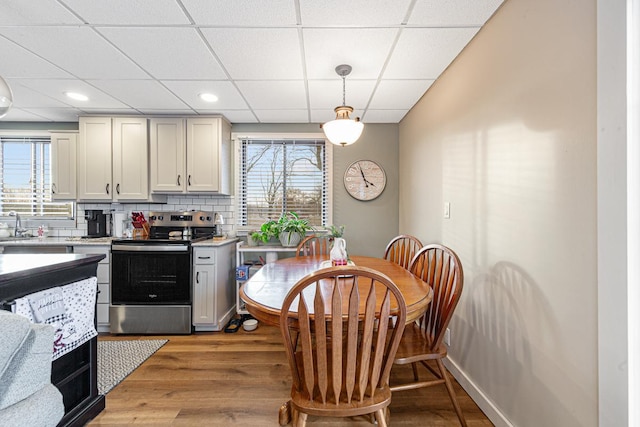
(150,248)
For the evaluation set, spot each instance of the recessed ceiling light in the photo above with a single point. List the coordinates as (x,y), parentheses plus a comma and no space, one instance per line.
(77,96)
(208,97)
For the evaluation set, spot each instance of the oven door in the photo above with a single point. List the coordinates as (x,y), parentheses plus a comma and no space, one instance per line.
(147,274)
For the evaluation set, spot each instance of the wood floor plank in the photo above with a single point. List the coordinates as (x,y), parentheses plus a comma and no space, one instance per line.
(241,379)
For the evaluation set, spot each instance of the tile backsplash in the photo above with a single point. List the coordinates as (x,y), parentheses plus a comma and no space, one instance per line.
(224,205)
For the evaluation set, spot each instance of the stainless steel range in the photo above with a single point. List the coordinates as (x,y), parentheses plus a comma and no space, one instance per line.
(151,290)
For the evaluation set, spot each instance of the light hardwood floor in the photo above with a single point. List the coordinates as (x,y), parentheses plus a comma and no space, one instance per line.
(241,379)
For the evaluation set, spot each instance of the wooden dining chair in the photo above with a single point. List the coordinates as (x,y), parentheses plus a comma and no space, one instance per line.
(314,245)
(401,249)
(422,341)
(340,341)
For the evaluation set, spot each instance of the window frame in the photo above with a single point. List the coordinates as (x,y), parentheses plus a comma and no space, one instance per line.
(237,143)
(55,221)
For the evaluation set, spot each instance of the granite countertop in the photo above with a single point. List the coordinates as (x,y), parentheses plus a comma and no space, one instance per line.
(98,241)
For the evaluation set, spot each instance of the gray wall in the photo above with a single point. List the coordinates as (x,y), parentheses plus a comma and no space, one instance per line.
(368,225)
(507,135)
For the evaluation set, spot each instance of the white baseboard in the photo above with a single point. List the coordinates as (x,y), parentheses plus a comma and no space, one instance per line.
(490,410)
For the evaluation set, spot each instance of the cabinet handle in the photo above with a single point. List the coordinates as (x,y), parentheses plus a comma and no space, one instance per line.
(107,188)
(189,181)
(204,257)
(53,188)
(198,277)
(178,180)
(118,188)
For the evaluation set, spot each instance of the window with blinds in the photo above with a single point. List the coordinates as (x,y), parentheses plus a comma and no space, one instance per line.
(278,176)
(25,178)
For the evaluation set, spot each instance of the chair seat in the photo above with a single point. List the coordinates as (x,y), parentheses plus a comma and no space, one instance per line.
(416,346)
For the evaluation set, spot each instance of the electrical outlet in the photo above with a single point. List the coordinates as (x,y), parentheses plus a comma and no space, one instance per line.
(447,337)
(447,210)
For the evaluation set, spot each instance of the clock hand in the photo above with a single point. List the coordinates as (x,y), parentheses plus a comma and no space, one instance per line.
(366,183)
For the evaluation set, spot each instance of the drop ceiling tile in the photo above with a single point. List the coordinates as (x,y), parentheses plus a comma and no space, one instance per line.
(163,112)
(384,116)
(57,114)
(78,50)
(127,12)
(56,89)
(228,96)
(360,13)
(110,111)
(26,97)
(257,53)
(166,53)
(234,116)
(139,93)
(21,63)
(282,116)
(398,94)
(452,12)
(326,94)
(272,95)
(365,50)
(437,47)
(244,13)
(35,12)
(19,115)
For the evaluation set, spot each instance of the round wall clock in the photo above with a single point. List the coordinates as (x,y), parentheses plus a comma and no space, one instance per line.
(364,179)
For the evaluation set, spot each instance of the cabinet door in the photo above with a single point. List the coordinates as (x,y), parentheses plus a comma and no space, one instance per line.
(203,154)
(63,166)
(94,159)
(204,294)
(168,155)
(130,162)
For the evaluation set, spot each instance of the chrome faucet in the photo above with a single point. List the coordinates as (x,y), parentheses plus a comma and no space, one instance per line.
(18,231)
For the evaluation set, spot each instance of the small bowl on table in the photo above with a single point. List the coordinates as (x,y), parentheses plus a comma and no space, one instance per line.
(250,325)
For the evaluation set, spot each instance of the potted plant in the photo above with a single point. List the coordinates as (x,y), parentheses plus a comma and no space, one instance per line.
(292,229)
(269,231)
(335,231)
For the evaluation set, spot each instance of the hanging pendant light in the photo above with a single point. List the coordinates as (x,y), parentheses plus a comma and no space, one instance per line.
(6,98)
(343,130)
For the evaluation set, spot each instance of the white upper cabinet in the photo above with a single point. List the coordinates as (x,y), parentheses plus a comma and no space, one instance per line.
(94,159)
(130,159)
(191,155)
(63,165)
(168,155)
(113,159)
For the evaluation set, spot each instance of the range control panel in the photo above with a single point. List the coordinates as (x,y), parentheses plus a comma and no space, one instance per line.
(181,219)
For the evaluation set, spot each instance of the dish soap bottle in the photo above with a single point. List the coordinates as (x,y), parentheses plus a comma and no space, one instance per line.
(338,253)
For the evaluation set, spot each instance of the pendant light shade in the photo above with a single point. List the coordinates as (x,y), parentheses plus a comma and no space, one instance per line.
(6,98)
(343,130)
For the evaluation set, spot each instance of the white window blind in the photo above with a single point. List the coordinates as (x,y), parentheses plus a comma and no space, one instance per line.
(279,176)
(25,178)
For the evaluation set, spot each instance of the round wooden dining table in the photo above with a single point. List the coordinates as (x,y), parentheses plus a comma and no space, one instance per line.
(265,291)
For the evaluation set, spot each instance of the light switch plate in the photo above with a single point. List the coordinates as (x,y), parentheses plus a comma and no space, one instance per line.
(447,210)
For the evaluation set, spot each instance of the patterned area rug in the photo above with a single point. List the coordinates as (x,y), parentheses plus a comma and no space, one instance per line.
(117,359)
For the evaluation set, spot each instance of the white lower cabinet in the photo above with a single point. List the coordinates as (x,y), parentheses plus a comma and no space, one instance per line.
(213,293)
(104,284)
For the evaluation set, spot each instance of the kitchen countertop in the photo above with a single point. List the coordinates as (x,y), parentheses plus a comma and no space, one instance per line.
(98,241)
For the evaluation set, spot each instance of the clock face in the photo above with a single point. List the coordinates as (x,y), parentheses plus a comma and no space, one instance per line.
(364,180)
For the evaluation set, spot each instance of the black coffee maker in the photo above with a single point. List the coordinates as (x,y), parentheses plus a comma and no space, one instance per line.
(96,223)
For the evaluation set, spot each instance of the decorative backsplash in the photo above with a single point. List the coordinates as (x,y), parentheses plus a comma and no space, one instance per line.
(224,205)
